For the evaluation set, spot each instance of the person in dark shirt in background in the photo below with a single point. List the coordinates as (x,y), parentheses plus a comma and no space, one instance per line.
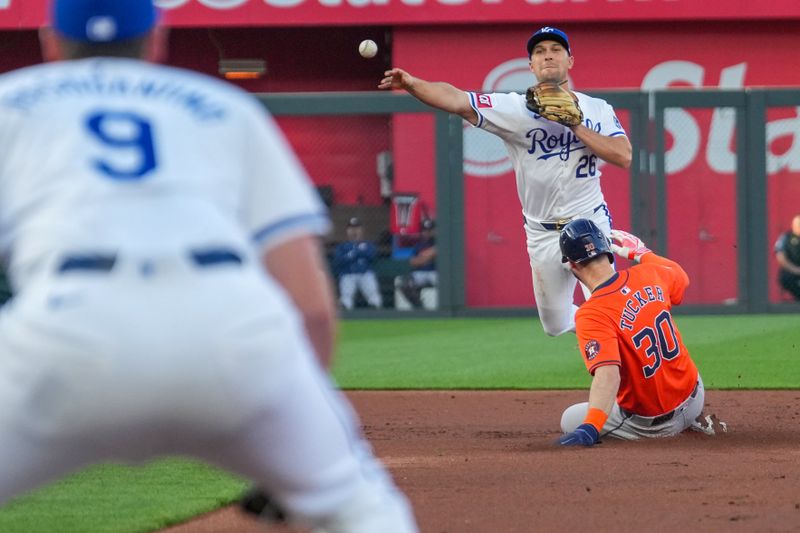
(787,252)
(423,261)
(354,264)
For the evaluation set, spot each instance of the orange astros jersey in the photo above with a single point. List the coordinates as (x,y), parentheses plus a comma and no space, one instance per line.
(627,322)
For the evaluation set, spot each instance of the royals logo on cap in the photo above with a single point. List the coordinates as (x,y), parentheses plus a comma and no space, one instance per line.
(101,29)
(548,33)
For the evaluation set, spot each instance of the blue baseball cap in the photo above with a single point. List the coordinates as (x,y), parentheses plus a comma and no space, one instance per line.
(103,21)
(548,33)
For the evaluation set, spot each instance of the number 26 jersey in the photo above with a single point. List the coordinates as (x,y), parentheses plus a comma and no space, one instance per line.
(557,175)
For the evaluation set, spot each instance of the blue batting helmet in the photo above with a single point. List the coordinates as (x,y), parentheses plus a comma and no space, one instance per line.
(581,240)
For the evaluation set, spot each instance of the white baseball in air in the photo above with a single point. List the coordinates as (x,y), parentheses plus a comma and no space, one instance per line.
(367,48)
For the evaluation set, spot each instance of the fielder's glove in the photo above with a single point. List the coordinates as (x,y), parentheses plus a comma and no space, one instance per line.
(627,245)
(584,435)
(553,102)
(255,501)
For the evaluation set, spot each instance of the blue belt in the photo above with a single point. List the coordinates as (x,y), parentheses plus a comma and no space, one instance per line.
(106,262)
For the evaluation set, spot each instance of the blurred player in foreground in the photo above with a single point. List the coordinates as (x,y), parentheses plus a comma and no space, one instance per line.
(171,296)
(556,163)
(644,383)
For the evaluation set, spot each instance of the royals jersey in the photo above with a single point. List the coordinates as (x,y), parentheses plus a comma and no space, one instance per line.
(354,257)
(120,155)
(627,322)
(557,175)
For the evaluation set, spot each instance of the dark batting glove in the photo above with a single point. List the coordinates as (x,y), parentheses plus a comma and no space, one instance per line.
(584,435)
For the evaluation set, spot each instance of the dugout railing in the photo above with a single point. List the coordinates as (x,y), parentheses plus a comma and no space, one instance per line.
(449,179)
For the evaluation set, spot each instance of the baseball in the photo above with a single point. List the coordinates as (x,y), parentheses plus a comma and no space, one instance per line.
(368,48)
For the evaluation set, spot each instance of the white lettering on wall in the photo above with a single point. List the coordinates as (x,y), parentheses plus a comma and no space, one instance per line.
(284,3)
(222,4)
(719,151)
(354,3)
(169,4)
(790,160)
(679,123)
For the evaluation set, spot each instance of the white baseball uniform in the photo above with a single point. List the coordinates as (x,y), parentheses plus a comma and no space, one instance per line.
(558,179)
(135,203)
(353,259)
(366,282)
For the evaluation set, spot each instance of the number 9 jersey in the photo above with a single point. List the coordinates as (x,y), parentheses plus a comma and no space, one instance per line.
(627,322)
(125,156)
(557,175)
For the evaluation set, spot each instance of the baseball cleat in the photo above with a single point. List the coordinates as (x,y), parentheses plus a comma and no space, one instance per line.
(709,424)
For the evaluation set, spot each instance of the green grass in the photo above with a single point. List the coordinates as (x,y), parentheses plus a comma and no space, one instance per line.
(455,353)
(747,352)
(750,352)
(115,499)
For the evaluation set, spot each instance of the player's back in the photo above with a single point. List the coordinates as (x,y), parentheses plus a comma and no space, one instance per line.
(121,154)
(657,371)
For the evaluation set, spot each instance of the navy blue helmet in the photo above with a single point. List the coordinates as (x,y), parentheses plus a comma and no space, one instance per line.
(581,240)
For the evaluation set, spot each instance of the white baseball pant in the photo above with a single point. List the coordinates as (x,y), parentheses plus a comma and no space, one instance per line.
(553,283)
(367,283)
(177,359)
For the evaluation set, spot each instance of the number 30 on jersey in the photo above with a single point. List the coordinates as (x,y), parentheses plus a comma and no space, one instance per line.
(659,341)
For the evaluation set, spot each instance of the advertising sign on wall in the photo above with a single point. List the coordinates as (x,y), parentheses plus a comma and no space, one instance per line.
(215,13)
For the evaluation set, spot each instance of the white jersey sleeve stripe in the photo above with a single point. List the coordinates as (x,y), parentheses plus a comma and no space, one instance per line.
(617,133)
(474,106)
(317,224)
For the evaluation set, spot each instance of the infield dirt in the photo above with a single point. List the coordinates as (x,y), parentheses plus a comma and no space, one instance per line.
(484,461)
